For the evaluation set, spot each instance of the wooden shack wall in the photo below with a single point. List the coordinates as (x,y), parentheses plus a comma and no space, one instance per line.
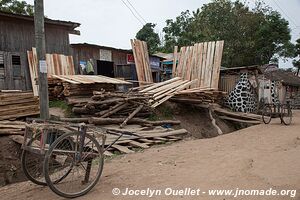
(85,53)
(17,37)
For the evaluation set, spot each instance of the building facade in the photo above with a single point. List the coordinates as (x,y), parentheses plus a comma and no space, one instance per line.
(17,37)
(111,62)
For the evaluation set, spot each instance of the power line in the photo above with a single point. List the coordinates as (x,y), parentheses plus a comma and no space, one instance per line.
(285,13)
(132,12)
(136,11)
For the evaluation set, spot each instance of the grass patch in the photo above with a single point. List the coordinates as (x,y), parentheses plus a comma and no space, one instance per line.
(62,105)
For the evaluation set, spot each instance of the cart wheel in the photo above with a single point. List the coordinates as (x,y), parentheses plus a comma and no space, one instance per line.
(286,114)
(85,172)
(267,114)
(32,163)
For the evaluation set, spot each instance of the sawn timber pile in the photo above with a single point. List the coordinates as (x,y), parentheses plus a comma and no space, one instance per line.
(14,105)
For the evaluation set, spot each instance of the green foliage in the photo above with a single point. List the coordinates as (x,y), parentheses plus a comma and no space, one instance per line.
(17,7)
(148,35)
(296,61)
(252,36)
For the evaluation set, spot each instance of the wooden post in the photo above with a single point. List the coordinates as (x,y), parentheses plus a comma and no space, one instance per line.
(41,55)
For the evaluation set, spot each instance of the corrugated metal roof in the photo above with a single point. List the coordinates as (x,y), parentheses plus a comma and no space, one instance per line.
(89,79)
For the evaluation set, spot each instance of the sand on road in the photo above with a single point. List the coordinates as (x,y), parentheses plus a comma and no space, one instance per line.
(260,157)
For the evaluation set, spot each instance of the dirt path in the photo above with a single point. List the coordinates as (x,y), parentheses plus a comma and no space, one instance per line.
(259,157)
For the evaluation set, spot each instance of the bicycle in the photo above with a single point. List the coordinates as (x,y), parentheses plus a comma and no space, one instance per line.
(283,111)
(69,158)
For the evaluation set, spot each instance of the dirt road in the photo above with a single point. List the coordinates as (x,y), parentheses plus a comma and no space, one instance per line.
(259,157)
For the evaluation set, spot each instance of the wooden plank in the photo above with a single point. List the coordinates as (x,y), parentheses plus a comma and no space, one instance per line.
(157,85)
(33,71)
(148,68)
(138,144)
(207,66)
(188,69)
(182,59)
(194,65)
(174,68)
(122,149)
(217,64)
(211,62)
(199,63)
(203,68)
(240,120)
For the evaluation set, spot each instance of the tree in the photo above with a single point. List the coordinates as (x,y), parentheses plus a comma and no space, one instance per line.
(148,35)
(17,7)
(252,36)
(296,61)
(179,32)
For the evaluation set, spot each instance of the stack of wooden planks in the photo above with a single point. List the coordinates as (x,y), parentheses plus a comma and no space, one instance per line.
(144,137)
(80,85)
(142,63)
(12,127)
(18,104)
(201,61)
(161,92)
(57,64)
(195,96)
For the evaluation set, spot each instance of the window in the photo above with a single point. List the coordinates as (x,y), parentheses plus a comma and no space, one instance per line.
(2,64)
(16,64)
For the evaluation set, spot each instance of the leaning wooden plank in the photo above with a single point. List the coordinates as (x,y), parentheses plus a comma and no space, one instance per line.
(148,68)
(199,64)
(203,68)
(217,64)
(238,114)
(122,149)
(169,92)
(33,72)
(207,65)
(171,95)
(138,109)
(175,61)
(194,65)
(240,120)
(156,85)
(137,62)
(189,66)
(211,62)
(162,88)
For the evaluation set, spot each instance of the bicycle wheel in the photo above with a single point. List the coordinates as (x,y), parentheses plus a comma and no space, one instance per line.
(286,114)
(85,172)
(267,114)
(32,162)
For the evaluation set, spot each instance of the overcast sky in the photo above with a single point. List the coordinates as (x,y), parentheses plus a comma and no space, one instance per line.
(111,23)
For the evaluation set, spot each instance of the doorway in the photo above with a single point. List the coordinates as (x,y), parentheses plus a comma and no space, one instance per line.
(105,68)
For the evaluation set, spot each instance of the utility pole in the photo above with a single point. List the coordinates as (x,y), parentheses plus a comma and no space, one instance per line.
(41,55)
